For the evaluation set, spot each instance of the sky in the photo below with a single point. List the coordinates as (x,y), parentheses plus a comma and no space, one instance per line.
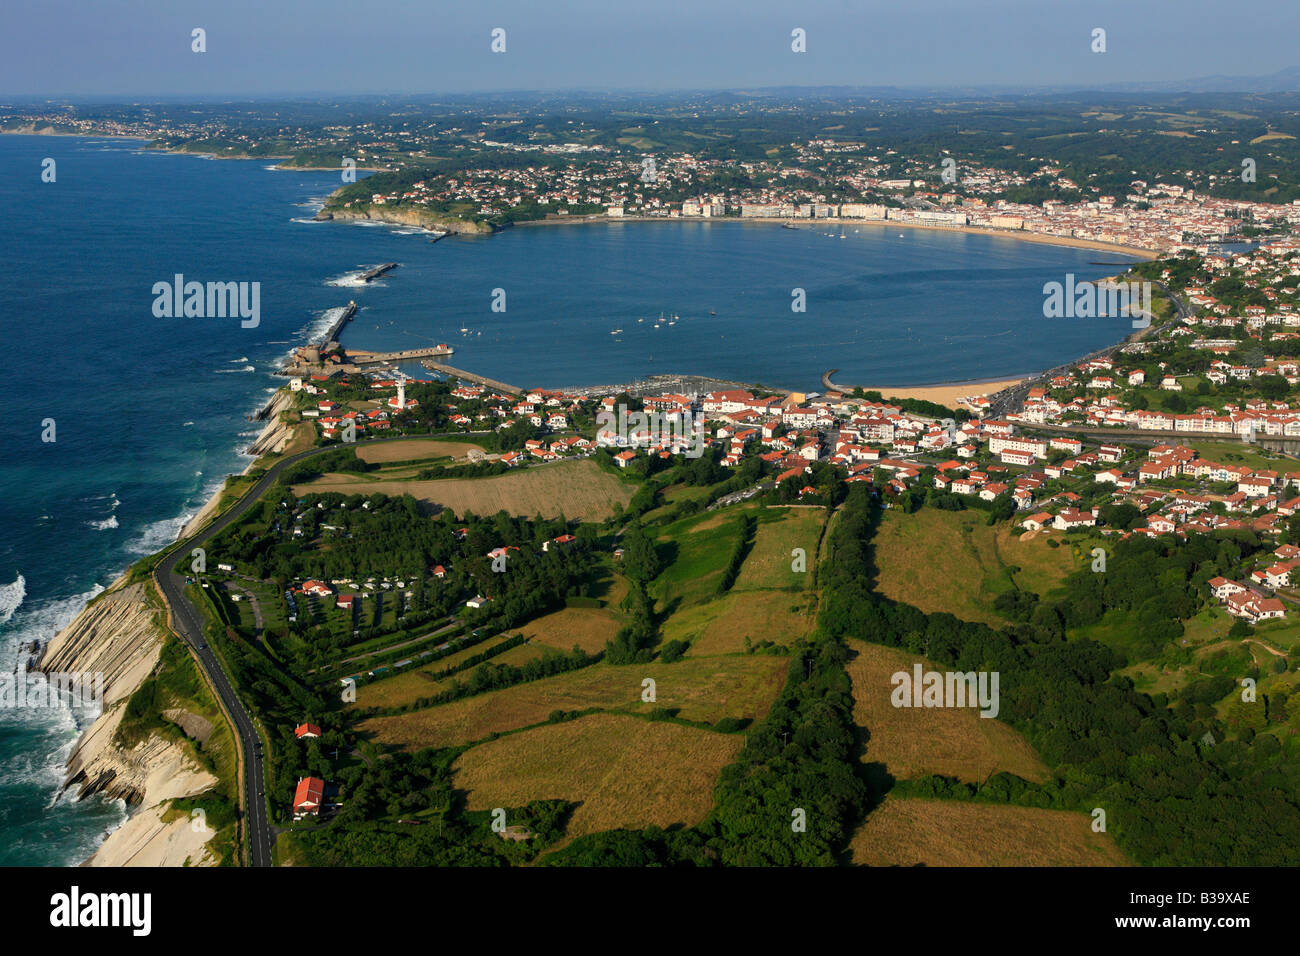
(139,48)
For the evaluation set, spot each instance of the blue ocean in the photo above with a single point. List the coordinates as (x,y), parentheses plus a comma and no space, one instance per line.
(149,414)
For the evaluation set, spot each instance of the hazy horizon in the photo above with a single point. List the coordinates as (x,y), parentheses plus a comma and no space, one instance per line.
(69,49)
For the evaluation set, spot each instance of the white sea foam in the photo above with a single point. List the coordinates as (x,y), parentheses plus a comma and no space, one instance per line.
(105,525)
(234,371)
(349,280)
(157,534)
(49,734)
(41,621)
(318,326)
(11,595)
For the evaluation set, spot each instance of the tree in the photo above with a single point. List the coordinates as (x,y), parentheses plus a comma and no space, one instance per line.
(641,560)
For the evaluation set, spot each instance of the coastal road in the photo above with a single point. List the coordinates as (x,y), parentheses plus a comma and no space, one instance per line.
(1013,399)
(187,621)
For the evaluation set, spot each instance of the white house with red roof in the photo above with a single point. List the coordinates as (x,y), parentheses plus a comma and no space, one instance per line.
(1074,518)
(308,797)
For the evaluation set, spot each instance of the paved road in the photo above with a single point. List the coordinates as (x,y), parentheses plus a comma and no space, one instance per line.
(187,621)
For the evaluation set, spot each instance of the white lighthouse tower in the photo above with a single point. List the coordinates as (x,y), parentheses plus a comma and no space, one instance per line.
(401,394)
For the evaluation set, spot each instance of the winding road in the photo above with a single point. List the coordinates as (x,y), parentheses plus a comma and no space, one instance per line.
(187,621)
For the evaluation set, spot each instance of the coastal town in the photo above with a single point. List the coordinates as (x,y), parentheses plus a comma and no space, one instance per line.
(508,173)
(1167,429)
(446,620)
(1153,217)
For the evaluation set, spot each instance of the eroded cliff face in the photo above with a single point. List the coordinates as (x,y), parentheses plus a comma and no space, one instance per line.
(120,636)
(407,216)
(115,635)
(276,434)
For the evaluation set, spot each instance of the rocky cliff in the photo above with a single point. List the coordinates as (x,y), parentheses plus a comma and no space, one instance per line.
(276,434)
(407,216)
(119,635)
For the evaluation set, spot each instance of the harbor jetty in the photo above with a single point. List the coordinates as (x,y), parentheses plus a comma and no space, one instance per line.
(471,377)
(358,357)
(377,271)
(332,333)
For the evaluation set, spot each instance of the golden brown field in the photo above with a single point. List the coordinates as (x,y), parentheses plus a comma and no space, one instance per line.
(409,686)
(411,450)
(705,689)
(625,772)
(907,832)
(915,741)
(578,489)
(952,561)
(587,628)
(721,625)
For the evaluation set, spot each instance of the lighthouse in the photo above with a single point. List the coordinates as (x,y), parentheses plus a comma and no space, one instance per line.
(401,394)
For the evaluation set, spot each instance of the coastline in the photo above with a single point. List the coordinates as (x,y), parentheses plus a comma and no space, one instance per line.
(279,160)
(1021,235)
(948,393)
(147,836)
(119,634)
(120,626)
(274,436)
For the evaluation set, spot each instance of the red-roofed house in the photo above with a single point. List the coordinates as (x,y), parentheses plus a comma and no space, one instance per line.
(309,796)
(1037,522)
(1074,518)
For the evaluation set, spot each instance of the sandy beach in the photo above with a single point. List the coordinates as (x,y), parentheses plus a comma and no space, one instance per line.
(1020,235)
(947,395)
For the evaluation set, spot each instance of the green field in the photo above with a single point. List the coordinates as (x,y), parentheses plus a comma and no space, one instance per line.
(721,625)
(953,561)
(1236,453)
(699,547)
(770,563)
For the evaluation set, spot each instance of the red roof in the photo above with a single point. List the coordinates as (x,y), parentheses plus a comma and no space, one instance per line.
(306,730)
(308,796)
